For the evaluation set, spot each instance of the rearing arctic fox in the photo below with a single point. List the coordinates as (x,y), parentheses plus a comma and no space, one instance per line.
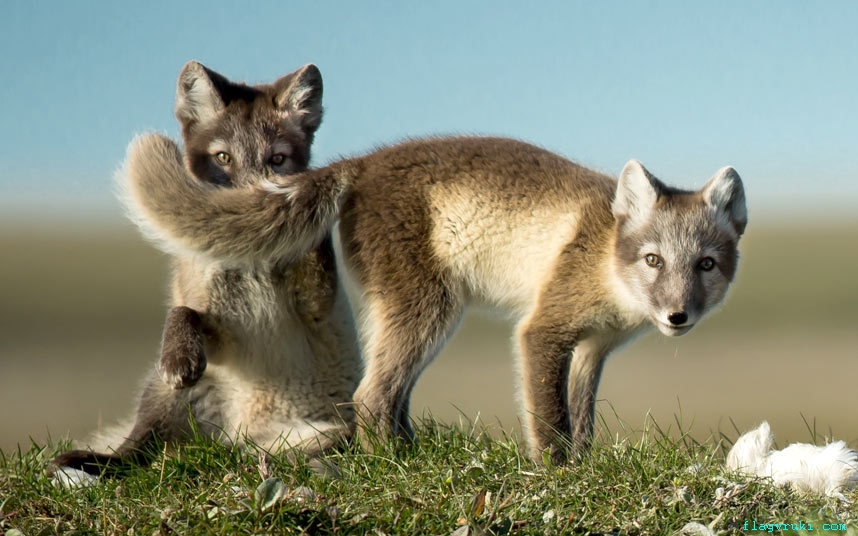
(266,349)
(581,261)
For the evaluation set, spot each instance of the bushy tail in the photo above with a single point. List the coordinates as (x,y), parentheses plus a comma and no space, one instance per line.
(266,222)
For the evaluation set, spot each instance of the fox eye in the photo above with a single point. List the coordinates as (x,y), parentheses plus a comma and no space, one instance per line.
(278,159)
(706,264)
(223,158)
(653,260)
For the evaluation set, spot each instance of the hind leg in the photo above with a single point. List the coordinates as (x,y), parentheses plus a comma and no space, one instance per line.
(163,414)
(404,332)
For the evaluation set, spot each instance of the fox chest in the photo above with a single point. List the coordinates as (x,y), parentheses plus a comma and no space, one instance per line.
(275,323)
(259,323)
(251,300)
(257,299)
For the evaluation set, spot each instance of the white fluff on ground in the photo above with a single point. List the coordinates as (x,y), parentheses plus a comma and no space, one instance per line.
(825,470)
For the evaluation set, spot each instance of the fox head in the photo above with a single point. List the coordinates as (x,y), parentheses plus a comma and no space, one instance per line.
(676,251)
(235,134)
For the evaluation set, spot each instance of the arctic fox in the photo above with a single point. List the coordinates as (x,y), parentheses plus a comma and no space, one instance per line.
(581,261)
(275,336)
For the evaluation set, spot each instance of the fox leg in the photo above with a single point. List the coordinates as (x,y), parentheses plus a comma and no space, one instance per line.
(588,359)
(135,450)
(183,358)
(164,414)
(403,335)
(545,353)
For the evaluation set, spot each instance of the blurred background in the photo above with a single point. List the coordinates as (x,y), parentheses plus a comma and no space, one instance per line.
(768,87)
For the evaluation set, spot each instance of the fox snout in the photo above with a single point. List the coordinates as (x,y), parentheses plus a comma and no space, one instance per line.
(677,319)
(674,323)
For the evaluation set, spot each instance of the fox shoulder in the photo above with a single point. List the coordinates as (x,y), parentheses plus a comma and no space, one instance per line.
(265,222)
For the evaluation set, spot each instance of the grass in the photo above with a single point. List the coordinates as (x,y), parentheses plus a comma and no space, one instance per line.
(458,480)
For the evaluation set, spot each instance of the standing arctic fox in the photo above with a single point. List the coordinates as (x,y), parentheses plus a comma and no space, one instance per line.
(581,261)
(275,336)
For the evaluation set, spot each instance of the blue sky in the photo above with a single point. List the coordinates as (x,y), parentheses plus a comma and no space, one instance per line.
(686,87)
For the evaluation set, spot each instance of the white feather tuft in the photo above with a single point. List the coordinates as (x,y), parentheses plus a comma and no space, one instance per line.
(824,470)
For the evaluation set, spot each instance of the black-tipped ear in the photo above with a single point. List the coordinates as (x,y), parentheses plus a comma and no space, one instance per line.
(199,94)
(300,93)
(726,194)
(637,192)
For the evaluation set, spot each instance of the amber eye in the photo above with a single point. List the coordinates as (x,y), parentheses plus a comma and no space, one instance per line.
(706,264)
(278,159)
(223,158)
(653,260)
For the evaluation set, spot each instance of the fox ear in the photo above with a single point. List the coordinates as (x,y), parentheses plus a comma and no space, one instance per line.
(300,93)
(724,192)
(198,94)
(637,192)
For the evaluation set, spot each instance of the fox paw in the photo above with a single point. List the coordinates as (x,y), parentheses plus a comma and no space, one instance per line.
(183,358)
(180,370)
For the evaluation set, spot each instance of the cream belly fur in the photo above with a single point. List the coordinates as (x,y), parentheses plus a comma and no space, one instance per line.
(280,378)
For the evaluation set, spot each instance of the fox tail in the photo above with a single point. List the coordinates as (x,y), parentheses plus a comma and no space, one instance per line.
(269,221)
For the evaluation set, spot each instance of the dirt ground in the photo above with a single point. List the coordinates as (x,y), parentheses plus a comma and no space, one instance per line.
(81,310)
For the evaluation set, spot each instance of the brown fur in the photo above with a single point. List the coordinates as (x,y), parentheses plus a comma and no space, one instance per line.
(266,349)
(429,226)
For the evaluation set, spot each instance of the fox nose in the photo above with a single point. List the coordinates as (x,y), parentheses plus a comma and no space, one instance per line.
(677,319)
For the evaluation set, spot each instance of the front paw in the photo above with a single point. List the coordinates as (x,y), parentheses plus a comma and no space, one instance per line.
(180,369)
(183,358)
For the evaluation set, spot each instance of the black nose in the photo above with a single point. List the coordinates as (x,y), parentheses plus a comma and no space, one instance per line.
(677,319)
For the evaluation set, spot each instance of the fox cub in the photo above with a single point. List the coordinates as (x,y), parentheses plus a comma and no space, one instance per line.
(581,261)
(274,335)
